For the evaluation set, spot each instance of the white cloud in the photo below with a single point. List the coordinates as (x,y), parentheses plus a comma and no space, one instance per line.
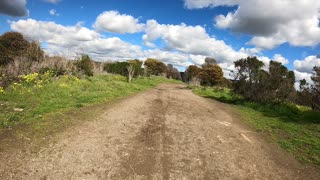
(271,22)
(112,21)
(262,42)
(281,59)
(193,4)
(195,43)
(14,7)
(74,40)
(53,12)
(191,40)
(302,75)
(175,58)
(307,64)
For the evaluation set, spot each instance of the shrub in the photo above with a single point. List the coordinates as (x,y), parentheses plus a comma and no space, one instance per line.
(155,67)
(84,65)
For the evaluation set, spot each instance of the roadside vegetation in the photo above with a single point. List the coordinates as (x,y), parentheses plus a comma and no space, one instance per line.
(34,85)
(269,103)
(37,95)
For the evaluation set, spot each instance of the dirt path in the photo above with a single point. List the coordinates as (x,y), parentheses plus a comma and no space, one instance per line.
(165,133)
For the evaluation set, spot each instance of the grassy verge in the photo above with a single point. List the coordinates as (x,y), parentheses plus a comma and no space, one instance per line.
(294,128)
(30,101)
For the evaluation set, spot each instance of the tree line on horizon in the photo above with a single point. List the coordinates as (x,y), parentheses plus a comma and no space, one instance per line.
(252,82)
(18,56)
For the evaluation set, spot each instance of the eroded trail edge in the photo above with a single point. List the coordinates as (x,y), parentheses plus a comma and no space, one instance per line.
(164,133)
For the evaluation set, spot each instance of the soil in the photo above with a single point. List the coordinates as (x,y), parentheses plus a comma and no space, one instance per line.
(165,133)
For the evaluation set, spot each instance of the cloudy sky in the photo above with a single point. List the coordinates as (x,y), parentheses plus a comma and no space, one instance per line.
(180,32)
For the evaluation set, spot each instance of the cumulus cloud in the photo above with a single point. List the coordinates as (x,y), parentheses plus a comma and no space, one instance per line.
(307,64)
(281,59)
(74,40)
(112,21)
(14,7)
(175,58)
(271,22)
(191,40)
(194,44)
(302,75)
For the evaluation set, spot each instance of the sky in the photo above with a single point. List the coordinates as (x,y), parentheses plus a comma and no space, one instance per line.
(179,32)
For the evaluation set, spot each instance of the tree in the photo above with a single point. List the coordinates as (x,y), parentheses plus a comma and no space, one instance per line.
(211,75)
(209,61)
(281,82)
(254,83)
(191,73)
(131,71)
(137,65)
(304,95)
(34,52)
(172,72)
(155,67)
(12,44)
(247,75)
(315,89)
(84,65)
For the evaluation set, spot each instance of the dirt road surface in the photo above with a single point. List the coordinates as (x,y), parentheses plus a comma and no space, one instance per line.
(164,133)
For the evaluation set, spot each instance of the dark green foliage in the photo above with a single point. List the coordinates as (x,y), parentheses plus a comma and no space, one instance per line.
(309,95)
(130,68)
(254,83)
(137,65)
(315,89)
(247,77)
(117,68)
(84,65)
(281,82)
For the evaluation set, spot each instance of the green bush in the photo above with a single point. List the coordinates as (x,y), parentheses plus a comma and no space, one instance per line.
(117,68)
(84,65)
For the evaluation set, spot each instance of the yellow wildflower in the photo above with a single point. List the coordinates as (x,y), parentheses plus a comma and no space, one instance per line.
(1,90)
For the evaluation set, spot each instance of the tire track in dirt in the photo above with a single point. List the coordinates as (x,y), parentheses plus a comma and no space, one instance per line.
(149,155)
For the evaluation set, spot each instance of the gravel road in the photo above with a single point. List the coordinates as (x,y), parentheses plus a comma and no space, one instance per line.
(164,133)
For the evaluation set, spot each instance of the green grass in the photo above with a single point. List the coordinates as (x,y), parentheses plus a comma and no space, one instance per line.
(39,97)
(294,128)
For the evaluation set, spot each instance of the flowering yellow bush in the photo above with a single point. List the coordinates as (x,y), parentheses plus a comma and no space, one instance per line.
(1,90)
(30,78)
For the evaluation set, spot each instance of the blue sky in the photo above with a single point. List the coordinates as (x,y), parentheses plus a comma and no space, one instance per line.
(181,32)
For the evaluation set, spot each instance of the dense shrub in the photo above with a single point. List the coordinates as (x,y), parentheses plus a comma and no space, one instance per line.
(85,65)
(155,67)
(122,67)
